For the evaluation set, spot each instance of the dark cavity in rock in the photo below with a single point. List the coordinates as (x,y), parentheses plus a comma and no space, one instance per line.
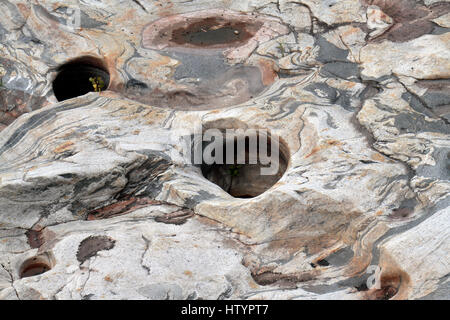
(36,265)
(245,180)
(79,77)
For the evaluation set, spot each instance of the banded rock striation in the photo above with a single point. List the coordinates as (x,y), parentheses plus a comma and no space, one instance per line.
(97,198)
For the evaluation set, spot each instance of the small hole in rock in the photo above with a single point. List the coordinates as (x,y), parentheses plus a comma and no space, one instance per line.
(323,263)
(242,170)
(79,77)
(389,286)
(34,269)
(36,266)
(400,213)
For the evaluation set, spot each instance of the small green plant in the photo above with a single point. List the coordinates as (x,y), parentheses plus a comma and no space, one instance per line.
(282,49)
(97,83)
(234,170)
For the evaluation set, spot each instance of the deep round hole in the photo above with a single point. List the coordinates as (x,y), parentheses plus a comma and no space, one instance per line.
(246,180)
(34,269)
(79,77)
(35,266)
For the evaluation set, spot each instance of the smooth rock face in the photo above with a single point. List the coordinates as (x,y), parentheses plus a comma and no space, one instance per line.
(98,199)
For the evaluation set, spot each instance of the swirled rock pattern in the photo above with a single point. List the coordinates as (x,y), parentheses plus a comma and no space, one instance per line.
(97,188)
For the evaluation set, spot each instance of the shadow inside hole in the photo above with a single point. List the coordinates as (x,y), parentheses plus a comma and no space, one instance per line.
(34,269)
(245,180)
(79,77)
(36,266)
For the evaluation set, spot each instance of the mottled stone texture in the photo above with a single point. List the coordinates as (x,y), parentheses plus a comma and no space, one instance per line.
(96,189)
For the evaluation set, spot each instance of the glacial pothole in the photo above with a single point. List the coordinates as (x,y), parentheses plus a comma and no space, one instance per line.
(36,265)
(246,166)
(213,29)
(80,76)
(207,50)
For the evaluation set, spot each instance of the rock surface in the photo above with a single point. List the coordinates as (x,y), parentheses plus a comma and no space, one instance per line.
(97,198)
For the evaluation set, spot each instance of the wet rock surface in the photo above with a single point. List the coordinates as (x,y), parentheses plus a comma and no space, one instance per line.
(98,201)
